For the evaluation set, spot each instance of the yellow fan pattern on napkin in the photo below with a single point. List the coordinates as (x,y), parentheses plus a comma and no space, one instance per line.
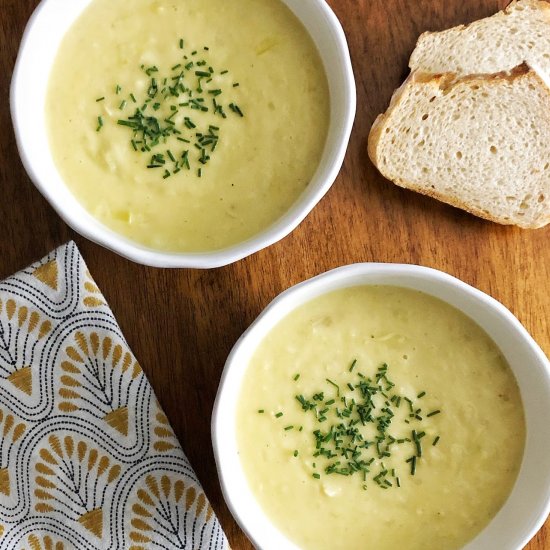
(88,459)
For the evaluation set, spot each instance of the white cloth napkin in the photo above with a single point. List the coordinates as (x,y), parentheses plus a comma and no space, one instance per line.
(88,460)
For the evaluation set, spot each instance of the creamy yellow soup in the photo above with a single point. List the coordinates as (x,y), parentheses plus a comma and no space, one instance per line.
(274,97)
(465,411)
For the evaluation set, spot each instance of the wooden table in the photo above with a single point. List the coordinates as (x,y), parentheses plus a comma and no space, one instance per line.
(182,324)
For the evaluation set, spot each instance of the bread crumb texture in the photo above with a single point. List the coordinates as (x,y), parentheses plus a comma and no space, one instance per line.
(519,33)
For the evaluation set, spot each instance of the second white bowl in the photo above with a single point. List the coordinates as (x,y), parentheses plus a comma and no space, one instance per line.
(529,503)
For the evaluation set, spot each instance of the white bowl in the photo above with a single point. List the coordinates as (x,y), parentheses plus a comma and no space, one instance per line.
(39,46)
(529,503)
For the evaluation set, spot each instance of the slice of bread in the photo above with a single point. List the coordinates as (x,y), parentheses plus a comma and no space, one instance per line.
(499,43)
(481,143)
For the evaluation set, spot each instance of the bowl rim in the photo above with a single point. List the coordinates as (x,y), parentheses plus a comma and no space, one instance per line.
(104,236)
(323,282)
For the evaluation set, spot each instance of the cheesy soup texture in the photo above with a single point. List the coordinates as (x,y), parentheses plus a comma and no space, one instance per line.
(471,449)
(264,62)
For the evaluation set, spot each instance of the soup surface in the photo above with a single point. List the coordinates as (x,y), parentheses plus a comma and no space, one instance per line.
(379,418)
(187,125)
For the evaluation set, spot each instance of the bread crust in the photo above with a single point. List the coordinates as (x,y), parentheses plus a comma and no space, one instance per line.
(446,82)
(452,201)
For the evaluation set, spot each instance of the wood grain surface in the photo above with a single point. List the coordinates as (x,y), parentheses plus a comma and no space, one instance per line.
(182,324)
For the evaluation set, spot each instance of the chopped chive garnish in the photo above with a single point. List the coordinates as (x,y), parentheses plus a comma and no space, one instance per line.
(435,441)
(296,377)
(288,428)
(185,159)
(295,453)
(236,85)
(335,385)
(261,411)
(316,476)
(341,441)
(189,123)
(412,461)
(433,413)
(417,443)
(182,87)
(235,108)
(278,415)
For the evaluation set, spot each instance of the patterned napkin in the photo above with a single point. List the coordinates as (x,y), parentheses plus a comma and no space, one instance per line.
(88,460)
